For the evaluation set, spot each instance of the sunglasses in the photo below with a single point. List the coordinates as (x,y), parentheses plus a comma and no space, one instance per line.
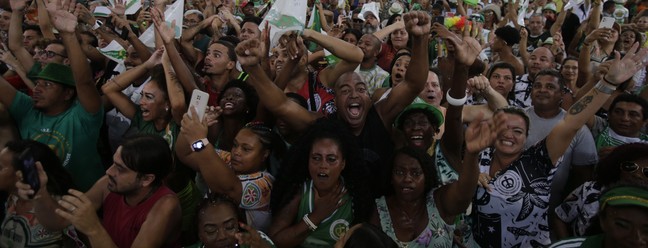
(632,167)
(50,54)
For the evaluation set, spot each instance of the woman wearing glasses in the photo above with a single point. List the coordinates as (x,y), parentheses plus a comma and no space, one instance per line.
(575,216)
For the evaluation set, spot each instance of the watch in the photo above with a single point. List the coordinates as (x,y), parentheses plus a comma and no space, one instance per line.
(199,145)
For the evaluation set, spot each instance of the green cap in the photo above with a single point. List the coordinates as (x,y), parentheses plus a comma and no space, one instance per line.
(625,196)
(428,109)
(57,73)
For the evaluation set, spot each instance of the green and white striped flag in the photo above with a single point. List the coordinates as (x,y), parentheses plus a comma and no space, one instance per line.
(114,51)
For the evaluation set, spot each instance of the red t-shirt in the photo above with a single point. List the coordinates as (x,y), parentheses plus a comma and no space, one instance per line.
(324,97)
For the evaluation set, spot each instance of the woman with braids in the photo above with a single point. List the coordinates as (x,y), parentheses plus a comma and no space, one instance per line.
(321,189)
(240,174)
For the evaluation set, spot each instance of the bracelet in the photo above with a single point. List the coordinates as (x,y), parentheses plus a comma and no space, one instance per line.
(605,87)
(454,101)
(97,25)
(309,223)
(610,83)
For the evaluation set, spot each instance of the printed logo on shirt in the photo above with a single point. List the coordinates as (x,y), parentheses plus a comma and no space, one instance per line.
(338,228)
(508,183)
(251,195)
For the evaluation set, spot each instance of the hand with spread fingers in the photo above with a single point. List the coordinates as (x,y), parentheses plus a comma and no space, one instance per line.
(119,8)
(621,70)
(466,48)
(212,114)
(62,15)
(167,32)
(78,210)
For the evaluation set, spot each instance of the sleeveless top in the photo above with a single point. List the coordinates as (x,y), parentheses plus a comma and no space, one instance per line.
(123,222)
(436,234)
(331,228)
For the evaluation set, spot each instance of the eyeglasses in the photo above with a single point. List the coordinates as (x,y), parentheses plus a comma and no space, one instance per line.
(50,54)
(632,167)
(43,84)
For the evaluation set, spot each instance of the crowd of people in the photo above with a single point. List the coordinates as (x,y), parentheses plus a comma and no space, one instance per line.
(379,123)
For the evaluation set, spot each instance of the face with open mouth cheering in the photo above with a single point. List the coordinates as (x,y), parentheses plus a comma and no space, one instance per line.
(352,100)
(408,177)
(325,164)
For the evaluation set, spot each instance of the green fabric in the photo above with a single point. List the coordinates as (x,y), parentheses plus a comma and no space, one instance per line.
(314,24)
(34,70)
(73,136)
(624,196)
(170,133)
(57,73)
(593,242)
(333,227)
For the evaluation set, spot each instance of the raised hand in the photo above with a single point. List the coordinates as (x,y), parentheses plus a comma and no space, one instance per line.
(121,23)
(417,23)
(156,58)
(597,34)
(62,15)
(249,52)
(144,19)
(119,8)
(167,33)
(292,43)
(84,15)
(478,84)
(212,114)
(621,70)
(18,4)
(466,49)
(479,134)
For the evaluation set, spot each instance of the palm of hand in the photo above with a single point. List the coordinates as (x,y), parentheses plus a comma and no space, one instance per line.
(167,32)
(467,51)
(63,21)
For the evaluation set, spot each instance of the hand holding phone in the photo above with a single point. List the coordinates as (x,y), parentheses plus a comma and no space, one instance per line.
(199,101)
(606,22)
(27,166)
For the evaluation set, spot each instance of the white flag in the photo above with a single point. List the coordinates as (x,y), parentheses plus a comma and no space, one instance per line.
(114,51)
(172,12)
(285,16)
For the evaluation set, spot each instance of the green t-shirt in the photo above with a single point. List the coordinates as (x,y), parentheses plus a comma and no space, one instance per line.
(73,136)
(333,227)
(169,133)
(264,237)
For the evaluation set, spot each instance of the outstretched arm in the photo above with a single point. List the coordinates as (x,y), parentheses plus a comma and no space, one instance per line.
(218,176)
(349,54)
(64,18)
(14,40)
(248,53)
(580,112)
(418,25)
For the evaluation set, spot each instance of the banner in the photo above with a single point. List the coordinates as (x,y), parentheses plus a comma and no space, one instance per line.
(285,16)
(114,51)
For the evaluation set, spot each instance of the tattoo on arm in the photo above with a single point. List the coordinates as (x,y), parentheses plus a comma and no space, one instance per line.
(581,104)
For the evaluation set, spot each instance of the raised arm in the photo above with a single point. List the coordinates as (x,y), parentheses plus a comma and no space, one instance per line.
(176,93)
(619,71)
(113,88)
(248,53)
(14,40)
(44,20)
(481,85)
(167,34)
(418,26)
(349,54)
(559,20)
(218,176)
(384,32)
(65,21)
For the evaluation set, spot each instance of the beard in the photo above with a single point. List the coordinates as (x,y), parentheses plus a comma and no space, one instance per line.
(368,29)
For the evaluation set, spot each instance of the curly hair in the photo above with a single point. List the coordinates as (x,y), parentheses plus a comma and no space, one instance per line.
(294,170)
(251,97)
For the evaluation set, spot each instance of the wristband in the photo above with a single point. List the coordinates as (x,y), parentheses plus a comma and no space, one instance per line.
(309,223)
(454,101)
(610,83)
(97,25)
(605,87)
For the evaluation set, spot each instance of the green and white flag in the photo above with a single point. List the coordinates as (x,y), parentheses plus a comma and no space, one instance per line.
(285,16)
(114,51)
(314,24)
(132,6)
(172,12)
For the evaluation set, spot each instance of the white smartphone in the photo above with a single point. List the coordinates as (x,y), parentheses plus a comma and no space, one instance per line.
(606,22)
(199,101)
